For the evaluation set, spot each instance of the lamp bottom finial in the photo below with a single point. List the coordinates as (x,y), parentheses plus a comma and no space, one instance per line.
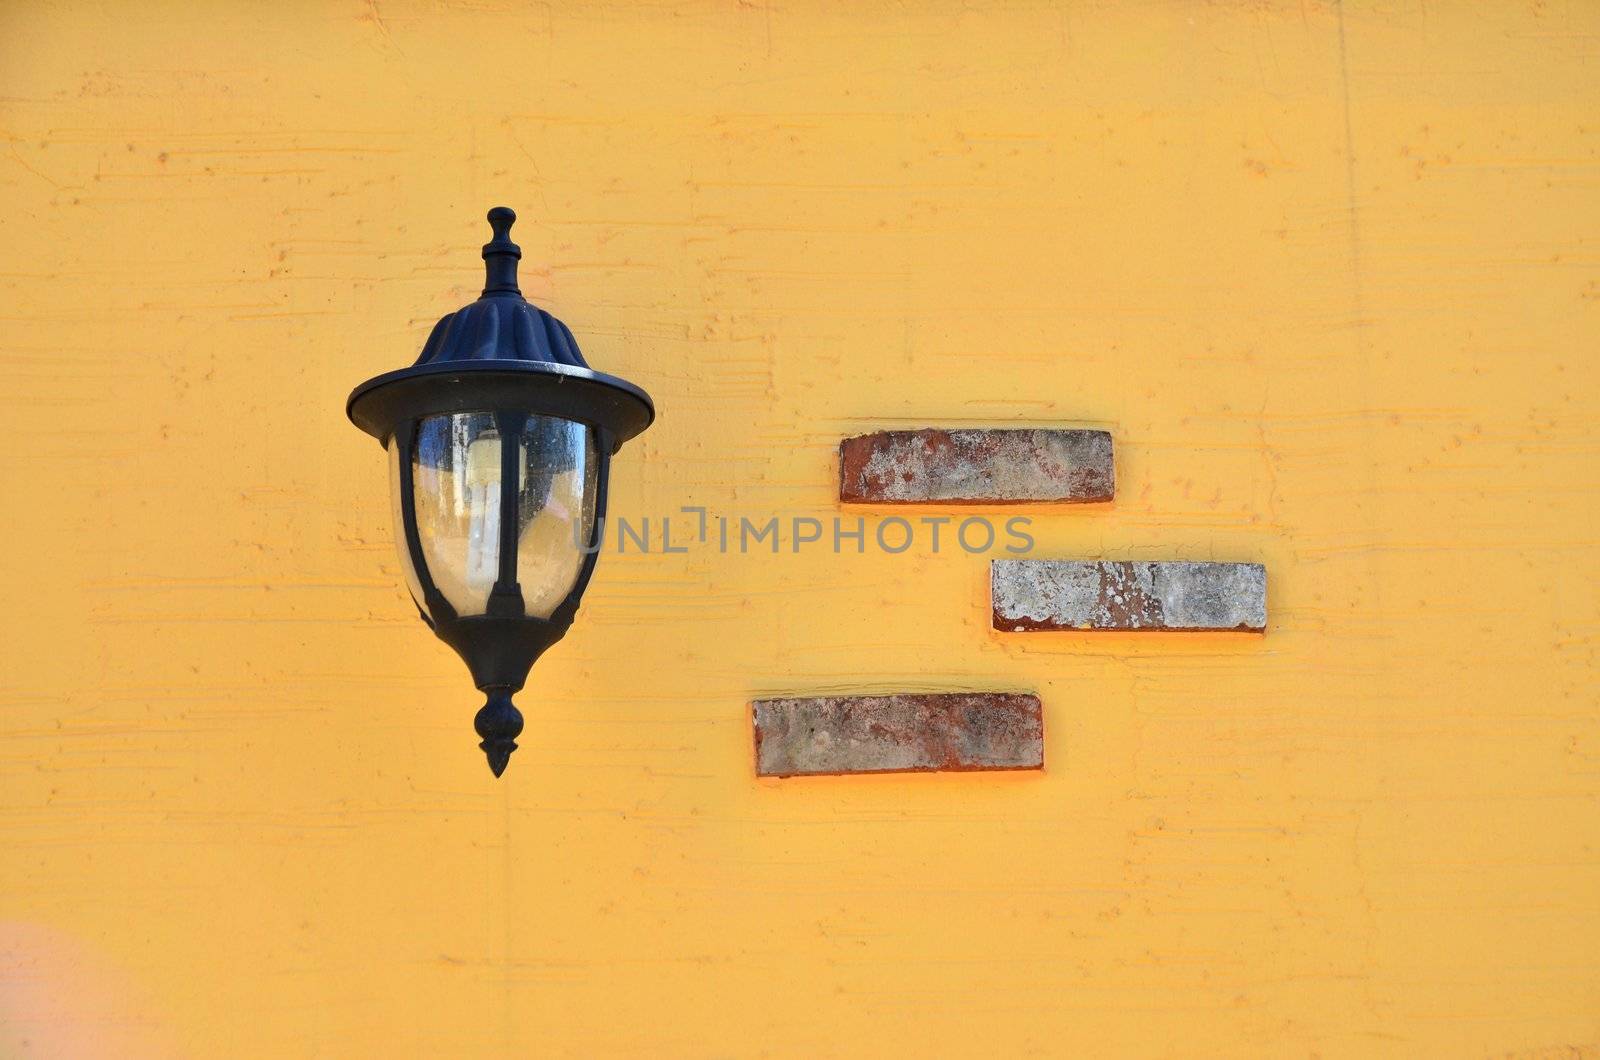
(499,722)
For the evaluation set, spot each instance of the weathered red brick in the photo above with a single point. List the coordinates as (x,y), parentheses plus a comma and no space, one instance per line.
(976,467)
(904,733)
(1099,595)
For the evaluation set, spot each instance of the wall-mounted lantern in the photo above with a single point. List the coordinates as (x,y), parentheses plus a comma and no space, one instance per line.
(500,440)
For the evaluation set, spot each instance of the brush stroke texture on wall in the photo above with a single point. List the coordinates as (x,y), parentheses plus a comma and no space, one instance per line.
(1328,275)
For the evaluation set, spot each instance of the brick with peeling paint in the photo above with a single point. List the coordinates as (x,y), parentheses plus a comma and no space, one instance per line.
(1096,595)
(976,467)
(905,733)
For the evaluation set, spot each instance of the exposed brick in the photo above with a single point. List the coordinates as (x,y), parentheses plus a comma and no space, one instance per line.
(976,467)
(906,733)
(1089,595)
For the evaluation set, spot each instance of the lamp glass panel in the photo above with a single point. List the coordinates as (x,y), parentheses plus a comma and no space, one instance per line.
(557,486)
(456,484)
(413,583)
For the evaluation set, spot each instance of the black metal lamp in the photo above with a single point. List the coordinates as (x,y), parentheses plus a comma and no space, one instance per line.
(500,440)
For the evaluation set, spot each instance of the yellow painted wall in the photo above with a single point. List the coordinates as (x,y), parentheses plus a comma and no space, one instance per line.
(1330,276)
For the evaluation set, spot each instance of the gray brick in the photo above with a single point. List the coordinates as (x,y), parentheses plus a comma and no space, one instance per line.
(905,733)
(1096,595)
(976,467)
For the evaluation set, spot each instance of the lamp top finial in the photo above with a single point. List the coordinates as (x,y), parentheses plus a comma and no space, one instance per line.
(500,254)
(501,218)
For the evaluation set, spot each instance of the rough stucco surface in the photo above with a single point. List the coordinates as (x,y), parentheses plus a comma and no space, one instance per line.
(1328,272)
(976,466)
(1067,594)
(905,733)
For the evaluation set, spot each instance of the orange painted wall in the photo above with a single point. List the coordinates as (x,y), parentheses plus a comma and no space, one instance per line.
(1329,275)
